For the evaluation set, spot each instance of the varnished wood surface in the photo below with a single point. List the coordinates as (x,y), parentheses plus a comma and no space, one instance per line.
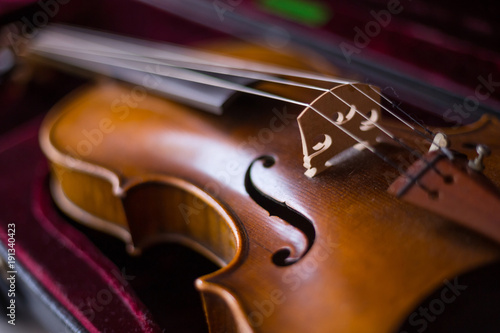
(452,189)
(374,257)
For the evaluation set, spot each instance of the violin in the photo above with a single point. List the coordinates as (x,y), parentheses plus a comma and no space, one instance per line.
(327,207)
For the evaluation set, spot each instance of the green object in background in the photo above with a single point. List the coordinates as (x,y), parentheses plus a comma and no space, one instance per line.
(301,11)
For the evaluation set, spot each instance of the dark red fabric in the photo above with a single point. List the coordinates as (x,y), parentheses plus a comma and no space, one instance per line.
(8,6)
(63,260)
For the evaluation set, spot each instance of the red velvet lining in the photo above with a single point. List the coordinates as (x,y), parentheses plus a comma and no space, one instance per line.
(64,261)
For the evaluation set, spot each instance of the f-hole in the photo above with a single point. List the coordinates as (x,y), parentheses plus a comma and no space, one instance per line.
(281,210)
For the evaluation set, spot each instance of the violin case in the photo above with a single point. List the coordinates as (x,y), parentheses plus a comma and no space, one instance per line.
(72,279)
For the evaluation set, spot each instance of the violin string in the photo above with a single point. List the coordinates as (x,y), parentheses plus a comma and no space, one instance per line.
(381,128)
(191,66)
(197,77)
(225,65)
(194,77)
(412,151)
(166,51)
(172,52)
(404,145)
(389,111)
(258,76)
(204,79)
(398,140)
(173,72)
(397,107)
(242,68)
(239,73)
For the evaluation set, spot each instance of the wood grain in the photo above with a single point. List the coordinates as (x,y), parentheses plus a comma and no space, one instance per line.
(374,257)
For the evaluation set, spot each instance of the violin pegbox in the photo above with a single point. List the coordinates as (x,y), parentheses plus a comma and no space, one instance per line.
(340,118)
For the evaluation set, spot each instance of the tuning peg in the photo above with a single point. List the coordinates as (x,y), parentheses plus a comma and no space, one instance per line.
(477,163)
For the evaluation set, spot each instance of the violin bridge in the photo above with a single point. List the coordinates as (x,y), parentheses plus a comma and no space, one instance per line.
(340,118)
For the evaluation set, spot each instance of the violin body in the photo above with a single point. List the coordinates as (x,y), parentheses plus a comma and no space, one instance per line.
(333,253)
